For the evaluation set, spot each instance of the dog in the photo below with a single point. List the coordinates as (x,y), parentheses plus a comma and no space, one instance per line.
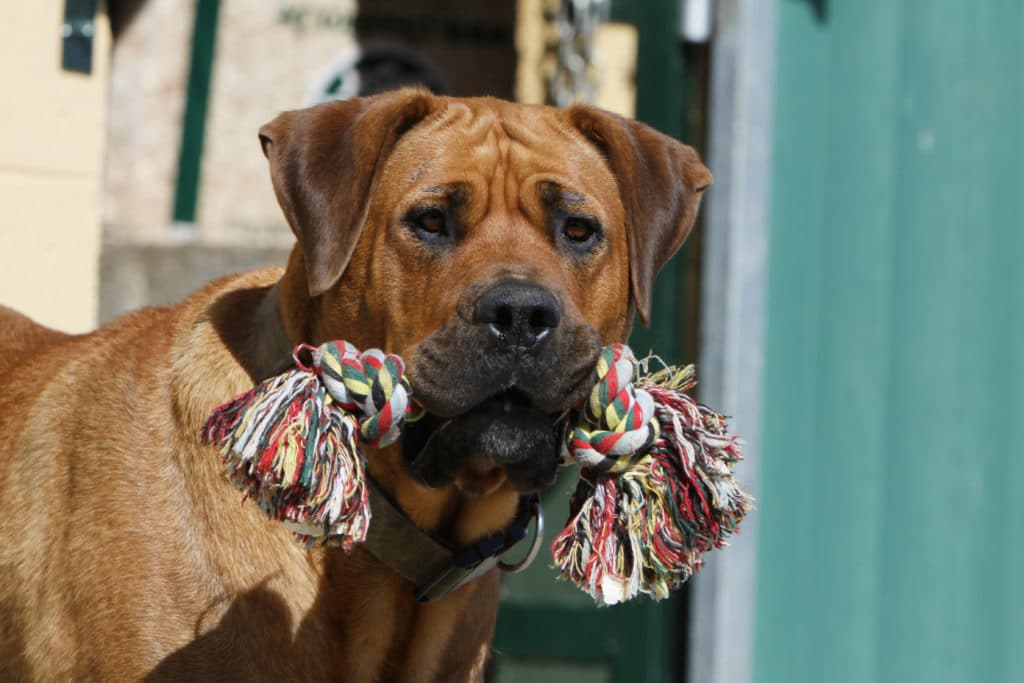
(494,246)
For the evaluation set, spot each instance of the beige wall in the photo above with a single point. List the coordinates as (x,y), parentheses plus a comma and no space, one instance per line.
(53,124)
(262,66)
(148,84)
(269,56)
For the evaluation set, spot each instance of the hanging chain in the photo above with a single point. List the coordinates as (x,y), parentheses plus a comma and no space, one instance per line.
(575,75)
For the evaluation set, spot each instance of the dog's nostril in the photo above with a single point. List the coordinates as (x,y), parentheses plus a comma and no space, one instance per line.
(504,318)
(545,317)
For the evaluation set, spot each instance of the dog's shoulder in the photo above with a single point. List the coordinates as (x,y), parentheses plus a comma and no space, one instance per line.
(21,336)
(207,338)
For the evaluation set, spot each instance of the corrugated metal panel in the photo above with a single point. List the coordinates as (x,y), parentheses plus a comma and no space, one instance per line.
(891,548)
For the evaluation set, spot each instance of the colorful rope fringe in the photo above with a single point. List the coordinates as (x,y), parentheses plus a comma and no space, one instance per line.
(656,489)
(291,442)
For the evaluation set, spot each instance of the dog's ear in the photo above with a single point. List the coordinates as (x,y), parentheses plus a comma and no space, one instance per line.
(323,161)
(660,182)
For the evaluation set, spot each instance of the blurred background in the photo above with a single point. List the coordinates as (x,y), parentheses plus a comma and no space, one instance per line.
(853,296)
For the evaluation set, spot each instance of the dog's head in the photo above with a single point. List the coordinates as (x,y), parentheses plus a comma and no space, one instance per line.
(495,246)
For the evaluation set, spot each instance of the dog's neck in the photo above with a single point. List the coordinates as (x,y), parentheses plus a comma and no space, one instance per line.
(271,344)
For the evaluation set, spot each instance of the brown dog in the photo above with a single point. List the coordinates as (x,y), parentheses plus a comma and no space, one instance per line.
(494,246)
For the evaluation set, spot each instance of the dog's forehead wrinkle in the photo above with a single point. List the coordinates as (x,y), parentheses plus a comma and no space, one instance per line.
(557,194)
(455,191)
(453,112)
(496,155)
(418,172)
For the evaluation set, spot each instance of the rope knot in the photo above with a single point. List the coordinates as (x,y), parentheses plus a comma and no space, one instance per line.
(618,422)
(371,383)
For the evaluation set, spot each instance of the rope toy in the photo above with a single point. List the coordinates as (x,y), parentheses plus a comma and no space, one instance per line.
(292,441)
(656,489)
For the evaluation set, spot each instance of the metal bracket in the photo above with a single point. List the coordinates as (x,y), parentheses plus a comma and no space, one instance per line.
(76,34)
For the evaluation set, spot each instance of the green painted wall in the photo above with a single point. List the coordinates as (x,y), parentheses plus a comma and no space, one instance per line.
(891,548)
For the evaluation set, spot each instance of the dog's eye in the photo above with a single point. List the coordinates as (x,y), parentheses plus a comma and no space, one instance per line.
(428,224)
(432,221)
(579,230)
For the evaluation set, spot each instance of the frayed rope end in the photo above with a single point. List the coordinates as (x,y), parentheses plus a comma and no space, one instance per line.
(641,522)
(292,443)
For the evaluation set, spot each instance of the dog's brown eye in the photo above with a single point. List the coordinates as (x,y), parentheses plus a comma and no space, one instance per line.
(578,230)
(431,221)
(429,224)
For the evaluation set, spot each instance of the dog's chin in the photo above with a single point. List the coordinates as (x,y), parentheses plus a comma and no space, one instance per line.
(504,438)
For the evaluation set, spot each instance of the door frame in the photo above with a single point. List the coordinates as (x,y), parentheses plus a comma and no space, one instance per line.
(737,223)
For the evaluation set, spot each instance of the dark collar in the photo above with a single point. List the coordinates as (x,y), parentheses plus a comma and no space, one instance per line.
(431,566)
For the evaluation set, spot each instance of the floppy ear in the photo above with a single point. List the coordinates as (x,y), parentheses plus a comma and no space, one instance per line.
(323,161)
(660,182)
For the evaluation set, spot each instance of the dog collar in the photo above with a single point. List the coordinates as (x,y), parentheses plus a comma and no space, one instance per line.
(433,567)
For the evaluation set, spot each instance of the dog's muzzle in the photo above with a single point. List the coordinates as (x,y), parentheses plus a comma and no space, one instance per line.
(494,381)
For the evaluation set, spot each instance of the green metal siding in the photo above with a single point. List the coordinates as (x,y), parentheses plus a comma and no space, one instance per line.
(890,547)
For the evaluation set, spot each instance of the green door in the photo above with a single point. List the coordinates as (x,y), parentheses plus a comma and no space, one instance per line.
(891,547)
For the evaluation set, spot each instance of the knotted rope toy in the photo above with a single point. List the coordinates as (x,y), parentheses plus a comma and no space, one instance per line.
(656,489)
(292,441)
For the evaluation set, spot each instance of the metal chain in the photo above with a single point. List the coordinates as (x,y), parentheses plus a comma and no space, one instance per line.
(575,76)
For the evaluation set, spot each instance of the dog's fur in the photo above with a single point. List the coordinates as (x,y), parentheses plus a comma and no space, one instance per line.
(124,550)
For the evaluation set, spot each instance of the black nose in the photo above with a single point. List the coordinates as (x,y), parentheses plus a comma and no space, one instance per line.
(518,314)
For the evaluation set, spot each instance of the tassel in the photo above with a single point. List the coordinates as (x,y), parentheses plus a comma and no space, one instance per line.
(656,489)
(292,443)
